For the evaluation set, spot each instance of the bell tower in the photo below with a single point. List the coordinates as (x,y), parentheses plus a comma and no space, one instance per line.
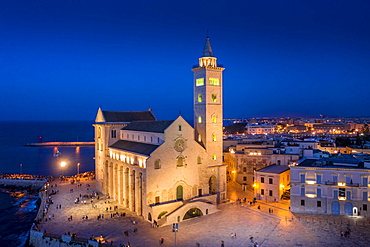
(208,103)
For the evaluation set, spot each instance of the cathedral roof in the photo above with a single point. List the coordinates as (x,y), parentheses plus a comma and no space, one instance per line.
(207,51)
(128,116)
(135,147)
(149,126)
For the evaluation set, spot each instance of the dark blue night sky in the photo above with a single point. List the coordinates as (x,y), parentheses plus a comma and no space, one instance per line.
(61,60)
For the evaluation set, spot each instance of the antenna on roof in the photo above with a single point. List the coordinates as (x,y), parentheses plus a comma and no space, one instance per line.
(179,112)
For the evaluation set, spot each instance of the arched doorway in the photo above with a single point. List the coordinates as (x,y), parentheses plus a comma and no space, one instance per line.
(335,209)
(191,213)
(179,193)
(150,217)
(348,208)
(212,185)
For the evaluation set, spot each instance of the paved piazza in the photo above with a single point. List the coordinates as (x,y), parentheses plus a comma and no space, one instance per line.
(279,228)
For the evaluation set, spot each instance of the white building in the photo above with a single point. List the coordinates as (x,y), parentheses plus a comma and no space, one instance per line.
(166,171)
(338,185)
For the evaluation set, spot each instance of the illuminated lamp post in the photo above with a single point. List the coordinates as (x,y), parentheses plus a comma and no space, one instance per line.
(62,165)
(78,168)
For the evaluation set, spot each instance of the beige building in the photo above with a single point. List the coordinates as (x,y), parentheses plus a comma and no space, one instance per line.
(271,182)
(166,171)
(244,159)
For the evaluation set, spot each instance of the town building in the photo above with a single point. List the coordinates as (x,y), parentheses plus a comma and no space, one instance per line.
(166,171)
(244,159)
(335,185)
(259,129)
(271,182)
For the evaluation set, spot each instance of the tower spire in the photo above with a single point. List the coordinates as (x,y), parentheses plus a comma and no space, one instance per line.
(207,51)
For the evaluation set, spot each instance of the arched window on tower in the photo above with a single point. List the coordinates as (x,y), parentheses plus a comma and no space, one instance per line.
(180,161)
(200,98)
(199,138)
(214,119)
(214,137)
(199,119)
(157,164)
(199,160)
(214,157)
(214,97)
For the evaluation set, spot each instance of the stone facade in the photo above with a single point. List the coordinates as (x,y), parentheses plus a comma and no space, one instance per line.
(165,170)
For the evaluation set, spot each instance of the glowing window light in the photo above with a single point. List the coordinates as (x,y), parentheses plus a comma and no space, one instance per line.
(199,82)
(341,184)
(310,182)
(110,154)
(341,198)
(310,195)
(214,82)
(199,119)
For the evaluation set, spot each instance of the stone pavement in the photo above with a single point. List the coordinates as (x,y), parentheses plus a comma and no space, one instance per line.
(280,228)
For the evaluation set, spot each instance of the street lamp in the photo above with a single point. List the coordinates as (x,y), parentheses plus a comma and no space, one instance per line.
(78,168)
(62,165)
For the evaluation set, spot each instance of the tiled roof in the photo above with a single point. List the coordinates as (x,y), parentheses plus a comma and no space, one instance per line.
(274,169)
(135,147)
(149,126)
(128,116)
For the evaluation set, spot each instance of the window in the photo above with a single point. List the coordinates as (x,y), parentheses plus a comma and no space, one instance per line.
(180,161)
(335,178)
(318,178)
(199,82)
(318,204)
(318,193)
(199,119)
(270,193)
(113,133)
(214,82)
(262,180)
(365,181)
(157,200)
(214,138)
(99,132)
(199,138)
(303,191)
(199,160)
(364,207)
(270,181)
(365,196)
(214,119)
(303,178)
(348,195)
(180,128)
(244,169)
(262,191)
(200,98)
(145,138)
(128,136)
(302,202)
(244,179)
(214,97)
(348,179)
(213,157)
(157,164)
(335,192)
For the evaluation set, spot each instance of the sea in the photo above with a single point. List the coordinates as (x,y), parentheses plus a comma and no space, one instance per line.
(19,208)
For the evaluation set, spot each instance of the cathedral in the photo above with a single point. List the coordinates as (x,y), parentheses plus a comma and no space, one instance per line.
(166,171)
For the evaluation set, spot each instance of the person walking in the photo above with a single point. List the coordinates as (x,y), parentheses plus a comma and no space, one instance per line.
(222,243)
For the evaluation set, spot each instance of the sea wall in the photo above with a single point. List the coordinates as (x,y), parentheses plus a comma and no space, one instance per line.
(40,239)
(20,183)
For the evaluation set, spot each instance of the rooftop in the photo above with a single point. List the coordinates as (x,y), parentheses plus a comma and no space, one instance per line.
(135,147)
(274,169)
(149,126)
